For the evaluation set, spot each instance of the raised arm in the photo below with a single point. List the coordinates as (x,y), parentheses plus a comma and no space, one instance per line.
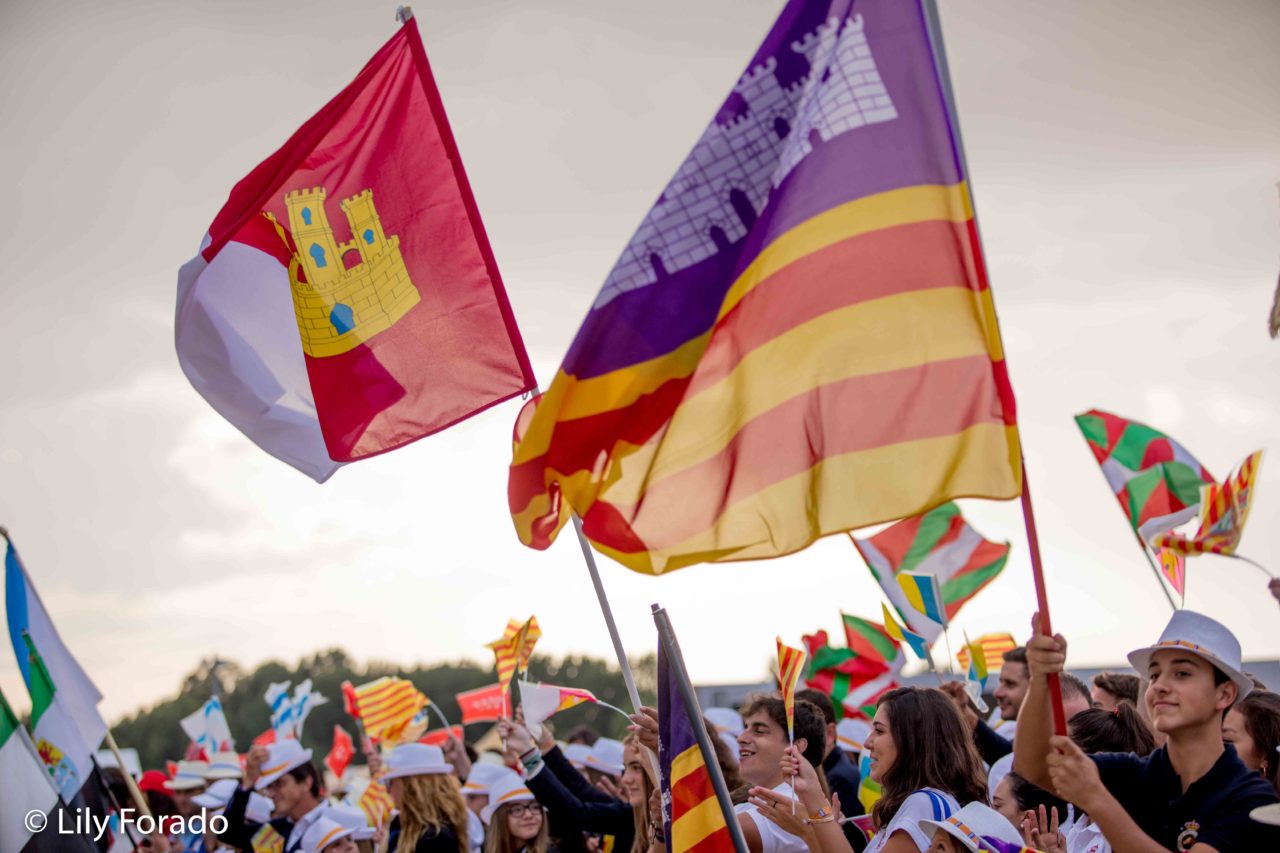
(1045,655)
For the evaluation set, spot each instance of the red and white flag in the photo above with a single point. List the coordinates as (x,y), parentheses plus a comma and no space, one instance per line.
(345,300)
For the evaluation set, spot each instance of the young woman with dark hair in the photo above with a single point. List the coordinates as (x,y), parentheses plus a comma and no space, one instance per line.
(923,757)
(1253,728)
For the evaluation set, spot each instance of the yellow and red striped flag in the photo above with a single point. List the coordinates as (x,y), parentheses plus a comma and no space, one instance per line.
(386,706)
(993,648)
(800,338)
(513,649)
(1224,508)
(790,668)
(376,803)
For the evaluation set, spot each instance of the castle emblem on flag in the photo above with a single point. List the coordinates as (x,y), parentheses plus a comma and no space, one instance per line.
(339,307)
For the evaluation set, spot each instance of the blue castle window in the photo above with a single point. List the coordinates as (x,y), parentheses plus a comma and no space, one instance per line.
(368,236)
(342,318)
(317,255)
(306,216)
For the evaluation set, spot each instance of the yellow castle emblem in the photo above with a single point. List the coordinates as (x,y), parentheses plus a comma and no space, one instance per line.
(339,307)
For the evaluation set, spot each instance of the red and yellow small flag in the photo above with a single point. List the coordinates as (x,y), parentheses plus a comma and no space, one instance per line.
(790,668)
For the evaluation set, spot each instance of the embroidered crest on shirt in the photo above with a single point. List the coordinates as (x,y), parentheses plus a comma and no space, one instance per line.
(1187,838)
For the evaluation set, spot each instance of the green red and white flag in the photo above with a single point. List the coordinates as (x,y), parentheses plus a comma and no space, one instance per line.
(27,788)
(861,701)
(938,543)
(1155,479)
(870,640)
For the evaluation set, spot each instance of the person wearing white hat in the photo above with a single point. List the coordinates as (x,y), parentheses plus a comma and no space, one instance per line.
(223,765)
(969,829)
(515,819)
(475,792)
(432,818)
(851,734)
(214,802)
(283,771)
(724,720)
(1193,793)
(577,754)
(573,805)
(328,836)
(187,783)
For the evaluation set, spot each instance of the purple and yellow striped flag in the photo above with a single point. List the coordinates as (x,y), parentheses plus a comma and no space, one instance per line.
(799,339)
(790,668)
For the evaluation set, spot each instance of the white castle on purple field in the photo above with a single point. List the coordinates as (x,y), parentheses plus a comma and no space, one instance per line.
(721,188)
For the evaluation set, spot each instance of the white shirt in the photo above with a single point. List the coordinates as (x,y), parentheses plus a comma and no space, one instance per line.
(1085,837)
(772,838)
(925,804)
(304,823)
(475,831)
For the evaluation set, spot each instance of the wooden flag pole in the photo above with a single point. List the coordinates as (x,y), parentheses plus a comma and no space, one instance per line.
(1042,600)
(139,800)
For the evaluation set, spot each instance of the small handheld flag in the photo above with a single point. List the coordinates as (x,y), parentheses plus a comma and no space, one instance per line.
(903,635)
(924,594)
(790,668)
(993,647)
(1224,508)
(387,705)
(976,680)
(1174,568)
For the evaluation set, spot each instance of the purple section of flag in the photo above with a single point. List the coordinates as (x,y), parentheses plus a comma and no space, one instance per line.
(913,148)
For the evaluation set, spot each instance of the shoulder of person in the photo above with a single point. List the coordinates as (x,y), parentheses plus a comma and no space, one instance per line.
(926,804)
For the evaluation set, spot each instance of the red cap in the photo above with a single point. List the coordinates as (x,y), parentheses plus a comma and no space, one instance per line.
(153,780)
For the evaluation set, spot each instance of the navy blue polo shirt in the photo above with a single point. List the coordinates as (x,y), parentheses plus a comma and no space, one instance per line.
(1214,810)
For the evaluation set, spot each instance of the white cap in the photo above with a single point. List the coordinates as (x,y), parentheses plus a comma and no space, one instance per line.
(1203,637)
(971,824)
(190,774)
(322,833)
(577,754)
(481,777)
(416,759)
(282,756)
(223,765)
(352,818)
(606,756)
(851,734)
(508,788)
(725,719)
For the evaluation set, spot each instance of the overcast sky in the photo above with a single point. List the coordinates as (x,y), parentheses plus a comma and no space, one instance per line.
(1124,157)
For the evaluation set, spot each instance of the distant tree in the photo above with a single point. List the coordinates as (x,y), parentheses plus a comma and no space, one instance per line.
(157,735)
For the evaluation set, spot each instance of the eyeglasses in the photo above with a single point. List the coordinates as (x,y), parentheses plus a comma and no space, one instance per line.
(522,809)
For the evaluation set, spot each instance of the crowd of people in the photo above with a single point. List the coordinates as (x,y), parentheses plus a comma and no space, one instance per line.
(1182,754)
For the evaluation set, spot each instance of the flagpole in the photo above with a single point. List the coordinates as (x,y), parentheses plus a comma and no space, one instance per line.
(1156,570)
(930,9)
(129,782)
(671,645)
(1257,566)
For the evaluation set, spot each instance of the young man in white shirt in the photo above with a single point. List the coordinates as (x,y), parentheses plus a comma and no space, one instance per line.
(760,748)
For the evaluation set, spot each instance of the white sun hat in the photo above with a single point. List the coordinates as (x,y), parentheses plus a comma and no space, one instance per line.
(851,734)
(416,759)
(322,833)
(971,824)
(725,719)
(577,754)
(606,756)
(482,776)
(217,795)
(190,774)
(508,788)
(282,756)
(223,765)
(352,818)
(1203,637)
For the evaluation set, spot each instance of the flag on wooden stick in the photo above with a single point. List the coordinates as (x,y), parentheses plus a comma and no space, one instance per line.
(993,648)
(387,705)
(919,645)
(1224,508)
(790,668)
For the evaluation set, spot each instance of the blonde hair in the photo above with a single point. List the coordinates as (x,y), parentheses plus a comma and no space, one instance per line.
(640,813)
(431,802)
(498,839)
